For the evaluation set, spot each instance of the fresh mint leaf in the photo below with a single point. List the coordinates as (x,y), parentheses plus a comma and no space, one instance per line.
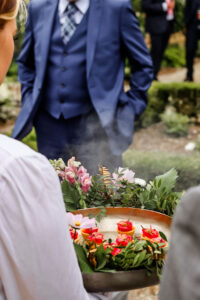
(168,180)
(101,258)
(163,236)
(82,259)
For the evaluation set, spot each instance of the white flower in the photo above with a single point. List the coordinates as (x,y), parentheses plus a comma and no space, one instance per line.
(78,221)
(58,165)
(123,174)
(73,163)
(140,182)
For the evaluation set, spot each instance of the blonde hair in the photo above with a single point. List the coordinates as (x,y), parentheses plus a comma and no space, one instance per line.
(10,8)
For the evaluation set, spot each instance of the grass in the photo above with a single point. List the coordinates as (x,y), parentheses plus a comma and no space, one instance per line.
(147,165)
(30,140)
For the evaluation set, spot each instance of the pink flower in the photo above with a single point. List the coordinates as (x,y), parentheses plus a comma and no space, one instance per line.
(61,174)
(128,175)
(86,182)
(123,174)
(115,177)
(81,172)
(78,221)
(72,163)
(70,175)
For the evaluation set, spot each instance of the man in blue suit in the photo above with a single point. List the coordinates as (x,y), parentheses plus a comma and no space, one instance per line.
(71,68)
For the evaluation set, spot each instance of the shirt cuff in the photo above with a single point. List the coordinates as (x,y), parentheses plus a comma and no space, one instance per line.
(164,6)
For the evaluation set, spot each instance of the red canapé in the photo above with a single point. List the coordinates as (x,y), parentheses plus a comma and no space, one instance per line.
(124,226)
(90,230)
(123,240)
(97,238)
(150,233)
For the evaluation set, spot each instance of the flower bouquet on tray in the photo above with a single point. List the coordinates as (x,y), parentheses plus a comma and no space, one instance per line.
(122,188)
(126,248)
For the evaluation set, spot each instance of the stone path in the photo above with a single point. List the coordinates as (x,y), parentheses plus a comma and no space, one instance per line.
(150,293)
(178,75)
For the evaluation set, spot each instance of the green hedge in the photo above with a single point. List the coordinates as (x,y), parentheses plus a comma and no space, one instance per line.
(147,165)
(185,97)
(174,56)
(30,140)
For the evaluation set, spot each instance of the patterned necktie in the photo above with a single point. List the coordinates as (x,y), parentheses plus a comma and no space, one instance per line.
(68,26)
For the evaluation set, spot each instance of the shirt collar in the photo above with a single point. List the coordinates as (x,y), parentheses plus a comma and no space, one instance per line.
(81,4)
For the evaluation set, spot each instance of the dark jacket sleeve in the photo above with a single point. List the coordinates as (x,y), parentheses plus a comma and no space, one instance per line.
(139,57)
(151,7)
(26,66)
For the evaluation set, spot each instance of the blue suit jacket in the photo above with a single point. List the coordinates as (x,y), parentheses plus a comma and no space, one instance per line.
(113,33)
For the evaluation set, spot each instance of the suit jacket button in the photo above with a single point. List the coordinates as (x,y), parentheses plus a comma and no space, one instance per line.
(63,69)
(63,85)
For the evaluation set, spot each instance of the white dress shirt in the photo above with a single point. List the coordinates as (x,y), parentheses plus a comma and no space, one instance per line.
(82,6)
(37,259)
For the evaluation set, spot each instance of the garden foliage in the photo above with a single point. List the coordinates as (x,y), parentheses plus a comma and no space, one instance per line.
(175,124)
(119,189)
(140,254)
(148,164)
(184,97)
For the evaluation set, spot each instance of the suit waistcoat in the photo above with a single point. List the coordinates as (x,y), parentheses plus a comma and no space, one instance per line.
(65,87)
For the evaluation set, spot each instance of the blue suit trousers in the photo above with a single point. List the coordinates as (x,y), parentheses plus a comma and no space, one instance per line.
(81,136)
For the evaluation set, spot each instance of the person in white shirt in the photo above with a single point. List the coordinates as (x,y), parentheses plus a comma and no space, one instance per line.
(37,259)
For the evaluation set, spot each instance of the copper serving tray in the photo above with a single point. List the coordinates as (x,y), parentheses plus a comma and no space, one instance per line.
(124,280)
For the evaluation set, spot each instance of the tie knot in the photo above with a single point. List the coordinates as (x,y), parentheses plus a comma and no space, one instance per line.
(72,7)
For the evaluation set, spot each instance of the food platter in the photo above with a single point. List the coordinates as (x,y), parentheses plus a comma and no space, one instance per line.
(124,280)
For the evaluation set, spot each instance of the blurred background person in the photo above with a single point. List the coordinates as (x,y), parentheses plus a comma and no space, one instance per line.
(159,24)
(181,275)
(192,22)
(71,68)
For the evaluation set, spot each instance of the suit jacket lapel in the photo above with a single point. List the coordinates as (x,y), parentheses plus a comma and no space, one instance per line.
(94,20)
(48,19)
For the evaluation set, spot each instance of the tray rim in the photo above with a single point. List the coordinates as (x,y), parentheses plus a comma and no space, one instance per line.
(139,211)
